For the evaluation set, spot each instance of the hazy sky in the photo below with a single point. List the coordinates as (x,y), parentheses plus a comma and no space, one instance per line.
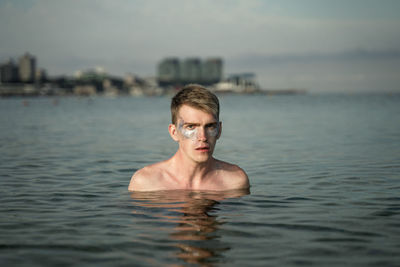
(345,45)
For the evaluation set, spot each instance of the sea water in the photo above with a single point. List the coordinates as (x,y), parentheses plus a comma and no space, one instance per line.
(324,172)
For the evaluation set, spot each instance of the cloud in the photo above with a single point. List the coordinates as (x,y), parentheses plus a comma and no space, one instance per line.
(356,70)
(133,35)
(262,60)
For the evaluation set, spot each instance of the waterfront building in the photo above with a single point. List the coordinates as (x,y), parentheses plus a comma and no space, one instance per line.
(169,71)
(41,75)
(27,68)
(9,72)
(211,71)
(238,83)
(191,69)
(175,72)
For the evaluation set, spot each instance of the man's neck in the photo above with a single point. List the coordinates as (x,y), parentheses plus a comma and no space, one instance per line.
(188,171)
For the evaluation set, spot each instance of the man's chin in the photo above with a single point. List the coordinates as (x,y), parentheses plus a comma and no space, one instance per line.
(202,158)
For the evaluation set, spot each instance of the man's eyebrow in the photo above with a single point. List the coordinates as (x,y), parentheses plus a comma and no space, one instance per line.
(184,123)
(196,123)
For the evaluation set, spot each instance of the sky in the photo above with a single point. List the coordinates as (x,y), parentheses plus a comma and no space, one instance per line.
(318,45)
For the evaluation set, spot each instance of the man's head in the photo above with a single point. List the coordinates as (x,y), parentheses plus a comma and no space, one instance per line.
(195,96)
(195,122)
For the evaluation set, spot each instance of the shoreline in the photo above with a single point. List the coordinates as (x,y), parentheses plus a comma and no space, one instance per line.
(33,90)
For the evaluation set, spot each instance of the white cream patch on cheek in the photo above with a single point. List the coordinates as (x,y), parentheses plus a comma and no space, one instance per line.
(187,133)
(213,131)
(190,134)
(193,134)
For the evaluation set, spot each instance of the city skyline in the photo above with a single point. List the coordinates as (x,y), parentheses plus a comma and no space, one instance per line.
(318,45)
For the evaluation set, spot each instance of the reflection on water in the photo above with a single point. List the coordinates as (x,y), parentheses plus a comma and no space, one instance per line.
(194,217)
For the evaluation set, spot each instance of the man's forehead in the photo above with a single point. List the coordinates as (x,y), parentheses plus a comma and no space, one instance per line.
(189,120)
(191,114)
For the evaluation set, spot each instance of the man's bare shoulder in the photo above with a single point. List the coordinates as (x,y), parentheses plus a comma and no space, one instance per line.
(233,176)
(147,178)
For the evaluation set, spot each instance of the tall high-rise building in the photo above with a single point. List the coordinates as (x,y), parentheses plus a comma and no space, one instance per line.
(9,72)
(191,70)
(27,68)
(169,71)
(211,71)
(172,71)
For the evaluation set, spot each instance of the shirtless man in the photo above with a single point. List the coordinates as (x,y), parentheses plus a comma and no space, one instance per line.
(196,128)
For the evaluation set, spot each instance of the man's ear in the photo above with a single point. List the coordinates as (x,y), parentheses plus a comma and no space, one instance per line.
(173,132)
(219,130)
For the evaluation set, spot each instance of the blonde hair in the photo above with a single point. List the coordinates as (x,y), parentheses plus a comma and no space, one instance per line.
(196,96)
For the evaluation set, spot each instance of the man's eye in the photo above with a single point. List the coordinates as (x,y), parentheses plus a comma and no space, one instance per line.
(190,127)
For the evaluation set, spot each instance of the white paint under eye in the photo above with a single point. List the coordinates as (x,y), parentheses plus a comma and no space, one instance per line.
(193,134)
(213,132)
(190,134)
(187,133)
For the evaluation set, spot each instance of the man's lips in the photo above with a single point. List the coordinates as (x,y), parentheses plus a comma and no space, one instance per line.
(203,148)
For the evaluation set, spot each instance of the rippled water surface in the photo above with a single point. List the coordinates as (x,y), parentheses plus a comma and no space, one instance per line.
(324,169)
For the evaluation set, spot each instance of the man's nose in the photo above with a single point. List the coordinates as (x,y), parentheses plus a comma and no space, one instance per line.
(201,134)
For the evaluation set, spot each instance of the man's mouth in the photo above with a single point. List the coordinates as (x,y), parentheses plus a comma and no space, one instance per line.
(203,149)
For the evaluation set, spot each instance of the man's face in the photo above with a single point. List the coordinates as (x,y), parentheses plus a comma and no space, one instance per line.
(197,133)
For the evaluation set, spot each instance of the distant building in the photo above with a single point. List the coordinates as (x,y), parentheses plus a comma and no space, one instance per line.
(93,77)
(238,83)
(212,71)
(169,71)
(9,72)
(172,71)
(191,71)
(27,68)
(41,75)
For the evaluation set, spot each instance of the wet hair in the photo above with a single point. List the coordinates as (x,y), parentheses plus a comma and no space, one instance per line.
(195,96)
